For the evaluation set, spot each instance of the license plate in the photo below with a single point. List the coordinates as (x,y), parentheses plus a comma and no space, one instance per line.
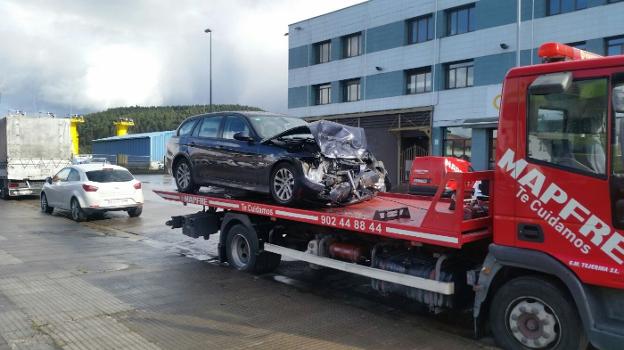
(117,202)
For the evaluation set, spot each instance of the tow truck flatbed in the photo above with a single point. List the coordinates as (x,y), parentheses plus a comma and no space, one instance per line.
(441,226)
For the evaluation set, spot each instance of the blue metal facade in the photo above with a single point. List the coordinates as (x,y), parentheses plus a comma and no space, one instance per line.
(488,69)
(151,145)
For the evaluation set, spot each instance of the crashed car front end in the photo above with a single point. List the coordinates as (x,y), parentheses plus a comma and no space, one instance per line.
(341,171)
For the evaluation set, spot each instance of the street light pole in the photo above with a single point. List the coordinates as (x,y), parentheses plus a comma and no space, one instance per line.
(210,68)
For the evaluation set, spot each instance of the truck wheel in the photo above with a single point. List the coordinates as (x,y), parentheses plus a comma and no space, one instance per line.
(183,175)
(77,213)
(242,251)
(284,184)
(44,204)
(533,313)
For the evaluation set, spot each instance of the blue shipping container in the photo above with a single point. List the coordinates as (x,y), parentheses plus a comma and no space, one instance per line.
(151,144)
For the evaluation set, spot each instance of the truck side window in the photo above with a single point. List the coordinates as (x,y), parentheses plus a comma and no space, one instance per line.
(569,129)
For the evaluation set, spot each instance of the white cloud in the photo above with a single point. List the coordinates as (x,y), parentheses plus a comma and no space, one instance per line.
(92,55)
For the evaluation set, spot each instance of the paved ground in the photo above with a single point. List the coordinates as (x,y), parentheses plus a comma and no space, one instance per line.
(121,283)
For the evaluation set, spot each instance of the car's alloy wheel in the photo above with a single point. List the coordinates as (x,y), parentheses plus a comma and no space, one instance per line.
(44,204)
(76,211)
(184,178)
(284,184)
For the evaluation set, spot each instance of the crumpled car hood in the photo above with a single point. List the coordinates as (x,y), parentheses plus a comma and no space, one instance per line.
(334,140)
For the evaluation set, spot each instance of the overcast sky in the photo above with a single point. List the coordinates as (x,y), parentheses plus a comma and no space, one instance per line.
(79,56)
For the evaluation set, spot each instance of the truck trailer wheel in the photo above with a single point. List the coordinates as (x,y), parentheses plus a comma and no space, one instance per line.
(242,249)
(534,313)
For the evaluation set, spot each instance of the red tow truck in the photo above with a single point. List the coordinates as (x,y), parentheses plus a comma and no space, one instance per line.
(540,261)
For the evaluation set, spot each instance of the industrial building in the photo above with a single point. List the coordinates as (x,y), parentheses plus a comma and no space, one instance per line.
(424,77)
(135,150)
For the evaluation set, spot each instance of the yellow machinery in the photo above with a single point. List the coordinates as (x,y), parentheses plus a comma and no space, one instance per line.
(73,131)
(122,125)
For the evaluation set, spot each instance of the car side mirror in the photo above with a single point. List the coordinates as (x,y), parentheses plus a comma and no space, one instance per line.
(48,180)
(243,136)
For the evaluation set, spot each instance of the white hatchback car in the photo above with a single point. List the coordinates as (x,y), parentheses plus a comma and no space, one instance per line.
(87,189)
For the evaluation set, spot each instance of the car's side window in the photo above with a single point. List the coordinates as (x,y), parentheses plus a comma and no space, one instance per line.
(187,128)
(73,175)
(210,127)
(234,125)
(61,175)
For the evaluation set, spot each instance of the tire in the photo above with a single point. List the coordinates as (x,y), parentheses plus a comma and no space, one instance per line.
(183,175)
(243,252)
(45,208)
(135,212)
(4,192)
(77,213)
(285,185)
(532,312)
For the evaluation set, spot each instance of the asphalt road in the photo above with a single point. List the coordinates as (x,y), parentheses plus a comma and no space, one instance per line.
(122,283)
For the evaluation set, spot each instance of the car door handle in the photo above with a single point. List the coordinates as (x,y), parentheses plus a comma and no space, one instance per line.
(192,143)
(219,147)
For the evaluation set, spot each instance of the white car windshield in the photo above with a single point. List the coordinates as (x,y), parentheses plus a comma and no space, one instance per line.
(109,175)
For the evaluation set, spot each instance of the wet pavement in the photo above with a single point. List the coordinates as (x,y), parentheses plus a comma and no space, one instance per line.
(132,283)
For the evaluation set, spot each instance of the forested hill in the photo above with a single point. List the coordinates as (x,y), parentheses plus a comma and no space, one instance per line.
(146,119)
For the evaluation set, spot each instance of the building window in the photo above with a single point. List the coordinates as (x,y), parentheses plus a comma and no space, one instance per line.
(579,45)
(351,90)
(420,29)
(615,46)
(460,74)
(323,94)
(323,51)
(418,80)
(461,20)
(556,7)
(458,142)
(352,45)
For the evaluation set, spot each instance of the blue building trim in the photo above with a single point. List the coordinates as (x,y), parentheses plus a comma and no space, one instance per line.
(298,97)
(385,85)
(298,57)
(386,37)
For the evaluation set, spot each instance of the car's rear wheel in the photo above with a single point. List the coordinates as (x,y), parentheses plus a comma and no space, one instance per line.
(77,213)
(135,212)
(44,204)
(285,188)
(184,177)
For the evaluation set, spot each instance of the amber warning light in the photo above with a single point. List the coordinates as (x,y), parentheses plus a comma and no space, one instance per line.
(556,52)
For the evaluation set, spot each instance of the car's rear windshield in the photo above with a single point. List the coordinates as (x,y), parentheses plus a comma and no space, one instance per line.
(109,175)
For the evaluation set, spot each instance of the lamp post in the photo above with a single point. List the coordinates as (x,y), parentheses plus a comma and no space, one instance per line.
(207,30)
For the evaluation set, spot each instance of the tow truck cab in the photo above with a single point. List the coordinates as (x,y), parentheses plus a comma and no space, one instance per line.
(559,175)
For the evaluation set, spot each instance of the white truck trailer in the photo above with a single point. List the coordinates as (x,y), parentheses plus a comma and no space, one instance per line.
(31,149)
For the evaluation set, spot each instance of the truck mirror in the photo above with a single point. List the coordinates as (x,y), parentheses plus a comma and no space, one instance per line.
(618,98)
(556,83)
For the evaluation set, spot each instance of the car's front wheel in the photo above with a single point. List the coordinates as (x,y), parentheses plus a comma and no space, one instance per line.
(284,184)
(77,213)
(184,177)
(44,204)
